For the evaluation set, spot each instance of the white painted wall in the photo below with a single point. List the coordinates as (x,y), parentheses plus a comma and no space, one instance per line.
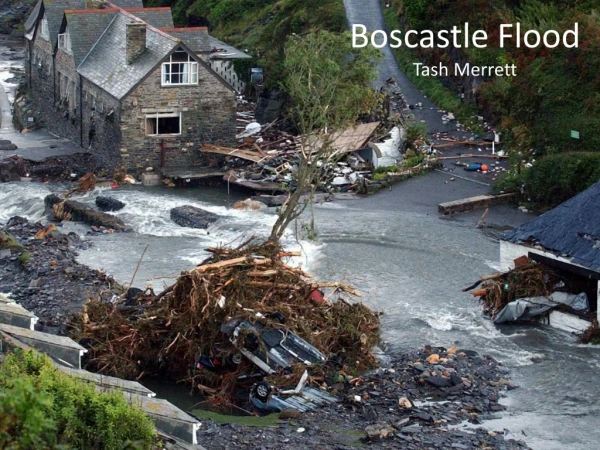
(509,252)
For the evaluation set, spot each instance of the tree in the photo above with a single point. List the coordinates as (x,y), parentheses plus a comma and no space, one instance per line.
(330,86)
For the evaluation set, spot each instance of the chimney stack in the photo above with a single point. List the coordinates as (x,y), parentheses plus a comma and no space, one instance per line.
(135,40)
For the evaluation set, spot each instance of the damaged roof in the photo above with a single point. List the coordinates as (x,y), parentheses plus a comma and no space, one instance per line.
(222,50)
(106,65)
(571,230)
(196,38)
(85,28)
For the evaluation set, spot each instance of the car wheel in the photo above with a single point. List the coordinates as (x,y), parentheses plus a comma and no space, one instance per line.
(262,391)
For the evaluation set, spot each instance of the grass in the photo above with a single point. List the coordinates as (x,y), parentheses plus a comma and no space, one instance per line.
(8,241)
(248,421)
(443,97)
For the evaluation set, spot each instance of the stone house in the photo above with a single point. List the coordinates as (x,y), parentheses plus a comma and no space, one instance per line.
(120,80)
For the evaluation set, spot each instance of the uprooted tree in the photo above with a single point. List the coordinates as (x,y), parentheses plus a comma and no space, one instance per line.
(329,83)
(172,333)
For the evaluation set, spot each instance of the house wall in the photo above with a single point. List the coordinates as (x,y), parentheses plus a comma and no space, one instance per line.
(208,116)
(105,110)
(510,251)
(42,78)
(66,120)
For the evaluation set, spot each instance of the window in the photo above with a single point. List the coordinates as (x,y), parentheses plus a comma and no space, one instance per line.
(181,69)
(64,41)
(163,123)
(44,28)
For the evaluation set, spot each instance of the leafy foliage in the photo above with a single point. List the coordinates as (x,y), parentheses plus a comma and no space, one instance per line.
(555,91)
(42,408)
(329,83)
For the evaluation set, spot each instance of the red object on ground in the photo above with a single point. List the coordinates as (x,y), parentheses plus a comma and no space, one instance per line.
(114,184)
(317,296)
(484,168)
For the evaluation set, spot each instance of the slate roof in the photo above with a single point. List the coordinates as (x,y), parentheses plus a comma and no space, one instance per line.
(196,39)
(54,11)
(85,28)
(127,3)
(106,66)
(571,229)
(32,19)
(157,17)
(225,51)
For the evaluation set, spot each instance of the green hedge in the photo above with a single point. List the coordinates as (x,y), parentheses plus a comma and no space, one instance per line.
(44,409)
(556,178)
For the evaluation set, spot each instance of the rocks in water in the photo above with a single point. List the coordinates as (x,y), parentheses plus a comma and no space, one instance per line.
(248,205)
(270,200)
(109,204)
(77,211)
(7,145)
(192,217)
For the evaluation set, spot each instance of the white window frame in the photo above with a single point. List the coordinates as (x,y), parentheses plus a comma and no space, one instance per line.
(44,28)
(162,115)
(189,68)
(64,41)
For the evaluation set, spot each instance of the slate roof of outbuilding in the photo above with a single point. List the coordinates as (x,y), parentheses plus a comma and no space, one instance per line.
(54,11)
(196,39)
(128,3)
(106,66)
(572,229)
(157,17)
(31,20)
(225,51)
(85,28)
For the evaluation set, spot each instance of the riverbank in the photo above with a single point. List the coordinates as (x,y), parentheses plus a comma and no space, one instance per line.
(445,390)
(41,273)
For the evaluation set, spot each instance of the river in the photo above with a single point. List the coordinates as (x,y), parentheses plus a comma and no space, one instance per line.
(408,262)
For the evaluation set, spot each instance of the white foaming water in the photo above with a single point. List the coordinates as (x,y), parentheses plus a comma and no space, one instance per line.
(22,199)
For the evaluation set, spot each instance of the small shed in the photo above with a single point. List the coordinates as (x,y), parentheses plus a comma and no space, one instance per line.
(566,238)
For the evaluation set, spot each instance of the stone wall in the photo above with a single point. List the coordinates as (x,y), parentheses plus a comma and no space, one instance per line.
(207,115)
(41,79)
(67,120)
(106,114)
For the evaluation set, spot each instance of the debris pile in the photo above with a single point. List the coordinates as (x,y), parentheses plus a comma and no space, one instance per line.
(185,333)
(528,291)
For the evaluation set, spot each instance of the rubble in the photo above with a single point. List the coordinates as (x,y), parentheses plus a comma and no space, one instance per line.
(186,332)
(528,292)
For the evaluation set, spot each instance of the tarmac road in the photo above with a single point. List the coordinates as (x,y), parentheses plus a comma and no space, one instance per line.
(369,13)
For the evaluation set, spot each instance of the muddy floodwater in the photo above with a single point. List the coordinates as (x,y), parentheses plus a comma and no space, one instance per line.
(407,261)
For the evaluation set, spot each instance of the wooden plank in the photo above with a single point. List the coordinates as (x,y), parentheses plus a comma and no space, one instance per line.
(473,203)
(237,152)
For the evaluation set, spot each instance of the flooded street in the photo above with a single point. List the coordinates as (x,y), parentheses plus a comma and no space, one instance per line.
(407,261)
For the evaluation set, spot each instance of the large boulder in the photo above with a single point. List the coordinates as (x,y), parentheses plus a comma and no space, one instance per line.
(192,217)
(109,204)
(271,200)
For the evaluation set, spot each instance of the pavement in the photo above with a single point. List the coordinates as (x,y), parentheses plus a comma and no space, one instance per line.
(36,145)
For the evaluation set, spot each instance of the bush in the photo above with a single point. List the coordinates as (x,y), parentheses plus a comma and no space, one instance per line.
(556,178)
(42,408)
